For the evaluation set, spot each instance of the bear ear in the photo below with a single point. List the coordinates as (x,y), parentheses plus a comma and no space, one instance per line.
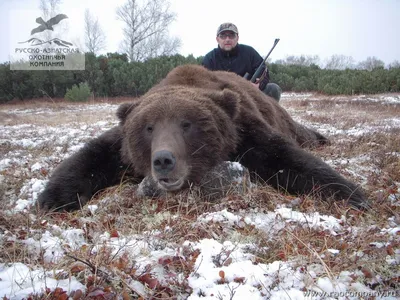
(124,110)
(228,100)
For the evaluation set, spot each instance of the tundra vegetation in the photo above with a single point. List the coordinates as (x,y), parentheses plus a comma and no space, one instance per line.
(262,243)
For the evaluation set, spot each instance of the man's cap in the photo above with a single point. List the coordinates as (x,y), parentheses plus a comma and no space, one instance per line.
(227,27)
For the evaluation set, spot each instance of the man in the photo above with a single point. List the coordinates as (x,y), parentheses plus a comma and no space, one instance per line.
(240,59)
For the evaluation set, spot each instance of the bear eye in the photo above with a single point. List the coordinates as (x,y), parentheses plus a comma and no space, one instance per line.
(149,128)
(186,125)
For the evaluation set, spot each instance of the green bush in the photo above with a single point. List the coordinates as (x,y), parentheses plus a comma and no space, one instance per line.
(79,93)
(112,75)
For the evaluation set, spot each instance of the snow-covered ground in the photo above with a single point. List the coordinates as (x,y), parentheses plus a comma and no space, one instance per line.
(34,140)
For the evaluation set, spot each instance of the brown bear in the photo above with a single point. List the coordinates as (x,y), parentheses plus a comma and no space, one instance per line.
(190,122)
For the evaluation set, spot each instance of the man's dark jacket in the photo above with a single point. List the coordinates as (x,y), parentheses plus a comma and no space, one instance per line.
(241,60)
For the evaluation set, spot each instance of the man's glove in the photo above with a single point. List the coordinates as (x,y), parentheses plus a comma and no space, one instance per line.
(264,80)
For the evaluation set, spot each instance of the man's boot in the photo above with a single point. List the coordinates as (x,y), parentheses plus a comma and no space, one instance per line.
(273,90)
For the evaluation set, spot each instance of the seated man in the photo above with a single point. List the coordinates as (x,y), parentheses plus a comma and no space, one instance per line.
(238,58)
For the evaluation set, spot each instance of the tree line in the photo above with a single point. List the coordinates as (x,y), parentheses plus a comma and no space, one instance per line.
(300,78)
(113,75)
(148,53)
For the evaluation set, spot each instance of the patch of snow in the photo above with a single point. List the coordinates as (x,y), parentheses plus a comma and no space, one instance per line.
(36,167)
(5,163)
(234,165)
(18,281)
(92,208)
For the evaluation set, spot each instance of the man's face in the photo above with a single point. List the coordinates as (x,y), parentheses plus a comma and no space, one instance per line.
(227,40)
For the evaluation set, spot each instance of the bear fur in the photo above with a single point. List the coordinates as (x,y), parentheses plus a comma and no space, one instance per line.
(190,122)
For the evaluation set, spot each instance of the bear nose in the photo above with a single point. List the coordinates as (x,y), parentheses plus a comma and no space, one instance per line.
(163,161)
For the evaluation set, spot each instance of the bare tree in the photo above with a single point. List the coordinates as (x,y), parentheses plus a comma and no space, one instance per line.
(156,45)
(146,29)
(371,63)
(394,65)
(95,39)
(49,9)
(340,62)
(302,60)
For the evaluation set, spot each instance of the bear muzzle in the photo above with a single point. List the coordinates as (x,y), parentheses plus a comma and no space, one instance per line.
(165,172)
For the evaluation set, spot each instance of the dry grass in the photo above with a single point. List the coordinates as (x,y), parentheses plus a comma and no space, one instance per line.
(170,221)
(57,111)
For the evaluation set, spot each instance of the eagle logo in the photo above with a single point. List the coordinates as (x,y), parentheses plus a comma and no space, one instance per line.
(47,26)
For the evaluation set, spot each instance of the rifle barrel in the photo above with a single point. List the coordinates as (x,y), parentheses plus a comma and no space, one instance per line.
(257,73)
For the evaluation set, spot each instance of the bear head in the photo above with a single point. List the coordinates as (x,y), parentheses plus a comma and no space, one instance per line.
(177,133)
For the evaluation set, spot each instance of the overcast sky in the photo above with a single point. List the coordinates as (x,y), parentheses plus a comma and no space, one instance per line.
(357,28)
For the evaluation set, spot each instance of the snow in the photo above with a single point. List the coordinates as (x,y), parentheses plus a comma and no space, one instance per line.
(4,163)
(242,278)
(18,282)
(235,166)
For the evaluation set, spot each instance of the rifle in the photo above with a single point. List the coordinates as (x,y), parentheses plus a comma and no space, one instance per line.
(261,72)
